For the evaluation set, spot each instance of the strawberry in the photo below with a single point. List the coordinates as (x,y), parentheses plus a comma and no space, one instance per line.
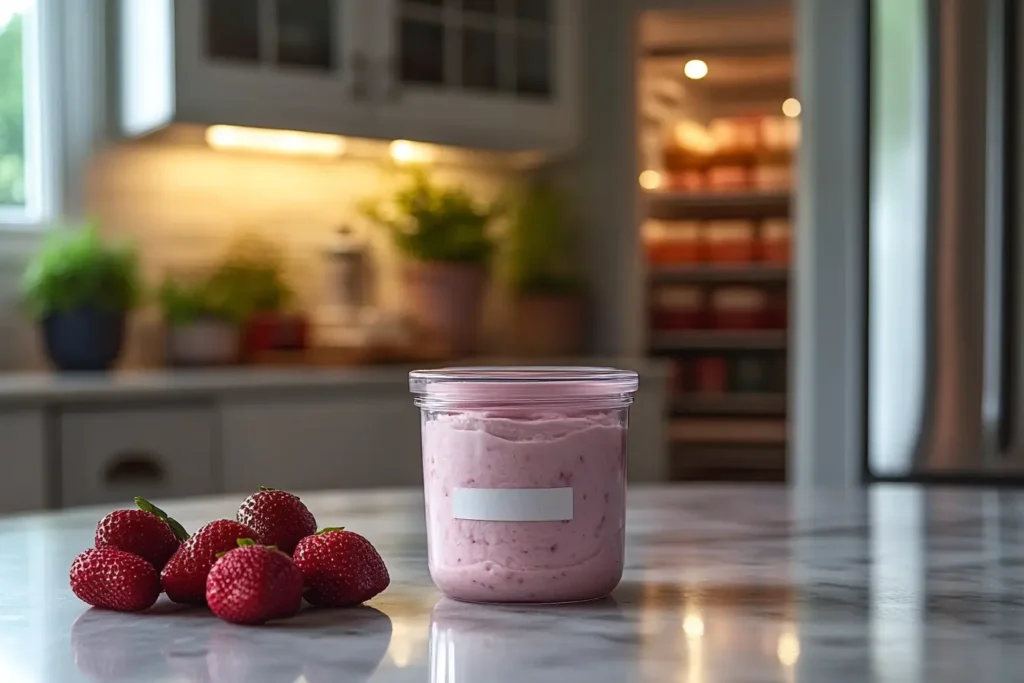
(341,568)
(147,532)
(114,579)
(279,518)
(254,584)
(184,576)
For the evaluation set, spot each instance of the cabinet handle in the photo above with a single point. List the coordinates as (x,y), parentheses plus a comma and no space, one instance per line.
(359,84)
(393,78)
(134,467)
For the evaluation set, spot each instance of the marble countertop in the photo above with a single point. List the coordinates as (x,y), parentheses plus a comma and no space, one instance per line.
(723,585)
(43,387)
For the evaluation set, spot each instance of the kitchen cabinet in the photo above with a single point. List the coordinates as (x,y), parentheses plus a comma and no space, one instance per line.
(487,73)
(321,442)
(497,74)
(112,454)
(25,484)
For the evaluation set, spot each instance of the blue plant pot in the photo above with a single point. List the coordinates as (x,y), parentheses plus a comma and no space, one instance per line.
(84,338)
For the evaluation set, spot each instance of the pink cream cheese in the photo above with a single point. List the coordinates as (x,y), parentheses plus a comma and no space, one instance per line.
(539,461)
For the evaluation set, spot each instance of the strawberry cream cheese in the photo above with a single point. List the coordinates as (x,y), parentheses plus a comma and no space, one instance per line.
(525,476)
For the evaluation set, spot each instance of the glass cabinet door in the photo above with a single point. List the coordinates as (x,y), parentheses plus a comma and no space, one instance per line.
(297,34)
(501,47)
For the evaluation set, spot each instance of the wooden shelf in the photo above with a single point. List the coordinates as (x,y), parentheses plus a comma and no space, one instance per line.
(731,340)
(730,404)
(669,205)
(745,273)
(728,431)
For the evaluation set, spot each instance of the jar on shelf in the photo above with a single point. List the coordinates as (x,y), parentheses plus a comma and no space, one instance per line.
(712,374)
(738,308)
(777,313)
(679,307)
(525,481)
(729,241)
(775,241)
(672,242)
(772,176)
(780,133)
(751,373)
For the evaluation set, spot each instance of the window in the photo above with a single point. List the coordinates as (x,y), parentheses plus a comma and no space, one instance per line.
(22,198)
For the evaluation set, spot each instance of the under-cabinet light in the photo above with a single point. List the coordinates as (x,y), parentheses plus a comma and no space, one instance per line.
(292,142)
(408,152)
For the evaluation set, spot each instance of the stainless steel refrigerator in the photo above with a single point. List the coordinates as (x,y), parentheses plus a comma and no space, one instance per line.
(944,344)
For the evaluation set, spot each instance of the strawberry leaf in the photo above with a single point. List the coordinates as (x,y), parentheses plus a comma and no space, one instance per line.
(176,527)
(146,506)
(246,542)
(266,488)
(329,529)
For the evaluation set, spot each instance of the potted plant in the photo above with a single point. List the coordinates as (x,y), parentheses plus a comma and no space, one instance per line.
(202,323)
(547,304)
(251,278)
(446,238)
(81,289)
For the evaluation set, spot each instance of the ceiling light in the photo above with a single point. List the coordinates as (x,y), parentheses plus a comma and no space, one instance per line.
(650,180)
(791,107)
(695,69)
(292,142)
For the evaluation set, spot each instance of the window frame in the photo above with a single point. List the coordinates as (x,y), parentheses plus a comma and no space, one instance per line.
(66,99)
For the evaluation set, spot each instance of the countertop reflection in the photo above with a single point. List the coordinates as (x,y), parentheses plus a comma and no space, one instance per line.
(744,584)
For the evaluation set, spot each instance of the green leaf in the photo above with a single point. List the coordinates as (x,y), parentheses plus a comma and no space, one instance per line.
(432,222)
(146,506)
(266,488)
(329,529)
(178,529)
(75,268)
(246,542)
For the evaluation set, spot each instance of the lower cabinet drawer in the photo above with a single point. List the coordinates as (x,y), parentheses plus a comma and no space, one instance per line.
(112,455)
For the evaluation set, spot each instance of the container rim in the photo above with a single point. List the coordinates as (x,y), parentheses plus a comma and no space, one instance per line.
(517,383)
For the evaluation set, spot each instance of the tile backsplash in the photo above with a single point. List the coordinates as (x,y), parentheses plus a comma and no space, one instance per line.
(183,204)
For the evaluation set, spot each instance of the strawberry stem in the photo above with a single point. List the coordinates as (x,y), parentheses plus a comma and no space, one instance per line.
(176,527)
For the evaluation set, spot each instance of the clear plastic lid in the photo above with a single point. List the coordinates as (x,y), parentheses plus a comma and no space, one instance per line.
(518,385)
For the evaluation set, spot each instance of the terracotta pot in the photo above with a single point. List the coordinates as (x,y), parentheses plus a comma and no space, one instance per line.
(444,302)
(548,325)
(206,341)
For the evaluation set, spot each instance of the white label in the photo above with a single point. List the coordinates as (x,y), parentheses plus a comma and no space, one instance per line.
(513,505)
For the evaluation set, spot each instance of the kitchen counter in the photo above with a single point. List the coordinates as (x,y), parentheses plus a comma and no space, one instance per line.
(744,585)
(38,387)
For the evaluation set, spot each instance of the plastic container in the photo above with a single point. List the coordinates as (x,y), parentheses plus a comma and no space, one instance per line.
(525,480)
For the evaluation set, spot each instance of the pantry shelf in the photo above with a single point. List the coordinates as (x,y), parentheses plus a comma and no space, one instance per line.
(686,340)
(729,404)
(728,430)
(668,205)
(743,273)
